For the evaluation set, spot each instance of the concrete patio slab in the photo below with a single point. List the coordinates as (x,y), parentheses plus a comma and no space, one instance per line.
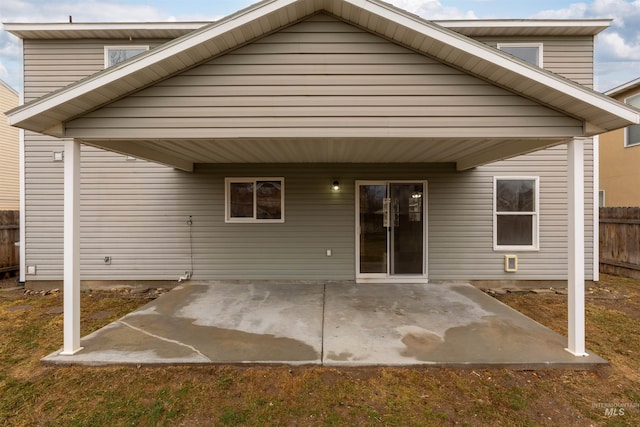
(213,323)
(436,324)
(333,324)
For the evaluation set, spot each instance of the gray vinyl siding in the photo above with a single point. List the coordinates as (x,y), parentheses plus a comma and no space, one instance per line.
(137,212)
(48,66)
(570,57)
(461,220)
(52,64)
(336,80)
(139,218)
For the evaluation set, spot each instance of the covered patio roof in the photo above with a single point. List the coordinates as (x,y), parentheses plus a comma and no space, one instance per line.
(595,111)
(584,113)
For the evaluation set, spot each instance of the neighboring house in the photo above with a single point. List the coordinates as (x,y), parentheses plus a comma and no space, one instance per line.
(620,155)
(313,140)
(9,152)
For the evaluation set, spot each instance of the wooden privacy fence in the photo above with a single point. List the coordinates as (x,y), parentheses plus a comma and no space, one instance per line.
(620,241)
(9,235)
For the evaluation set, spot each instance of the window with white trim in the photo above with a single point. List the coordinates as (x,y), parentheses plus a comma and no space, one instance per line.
(116,54)
(515,218)
(632,133)
(254,200)
(530,52)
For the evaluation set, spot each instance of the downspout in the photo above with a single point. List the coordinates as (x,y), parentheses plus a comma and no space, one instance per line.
(188,274)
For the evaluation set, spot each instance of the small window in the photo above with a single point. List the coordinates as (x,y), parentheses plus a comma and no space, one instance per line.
(515,220)
(601,199)
(530,52)
(254,199)
(116,54)
(632,133)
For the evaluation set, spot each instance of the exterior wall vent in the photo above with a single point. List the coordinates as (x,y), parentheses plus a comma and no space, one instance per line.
(511,263)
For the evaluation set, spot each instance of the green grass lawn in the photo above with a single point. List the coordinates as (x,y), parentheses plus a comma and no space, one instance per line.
(33,394)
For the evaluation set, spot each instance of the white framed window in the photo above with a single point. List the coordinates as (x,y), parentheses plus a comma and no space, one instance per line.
(116,54)
(530,52)
(254,200)
(632,133)
(515,213)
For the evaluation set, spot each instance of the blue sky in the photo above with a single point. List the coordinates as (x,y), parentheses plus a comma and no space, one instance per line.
(617,48)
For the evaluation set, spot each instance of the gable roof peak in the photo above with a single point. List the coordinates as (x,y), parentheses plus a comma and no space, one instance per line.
(47,114)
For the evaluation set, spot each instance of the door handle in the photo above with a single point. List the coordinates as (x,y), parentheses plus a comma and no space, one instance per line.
(386,212)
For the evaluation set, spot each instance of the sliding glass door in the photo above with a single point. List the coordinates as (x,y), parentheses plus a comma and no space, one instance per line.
(391,230)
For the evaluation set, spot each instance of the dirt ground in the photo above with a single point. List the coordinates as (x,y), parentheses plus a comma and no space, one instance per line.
(33,394)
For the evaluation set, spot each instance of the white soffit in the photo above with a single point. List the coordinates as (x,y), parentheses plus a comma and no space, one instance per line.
(94,30)
(247,25)
(526,28)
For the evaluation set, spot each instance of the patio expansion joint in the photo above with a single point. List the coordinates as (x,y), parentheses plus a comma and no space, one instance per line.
(192,348)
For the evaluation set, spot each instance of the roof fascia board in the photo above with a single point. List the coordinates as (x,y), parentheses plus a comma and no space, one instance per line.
(145,60)
(623,87)
(524,23)
(5,84)
(478,49)
(16,28)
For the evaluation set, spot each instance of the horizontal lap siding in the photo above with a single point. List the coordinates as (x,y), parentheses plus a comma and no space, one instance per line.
(138,216)
(152,239)
(9,153)
(48,66)
(571,57)
(461,220)
(51,64)
(322,74)
(137,212)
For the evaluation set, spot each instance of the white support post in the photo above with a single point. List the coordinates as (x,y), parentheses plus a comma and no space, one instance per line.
(71,248)
(575,157)
(596,208)
(23,200)
(23,209)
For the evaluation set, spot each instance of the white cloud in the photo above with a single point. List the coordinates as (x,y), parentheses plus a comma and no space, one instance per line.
(433,9)
(613,46)
(82,11)
(617,48)
(574,11)
(625,13)
(88,11)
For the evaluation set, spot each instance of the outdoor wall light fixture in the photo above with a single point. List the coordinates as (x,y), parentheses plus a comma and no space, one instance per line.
(58,156)
(335,185)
